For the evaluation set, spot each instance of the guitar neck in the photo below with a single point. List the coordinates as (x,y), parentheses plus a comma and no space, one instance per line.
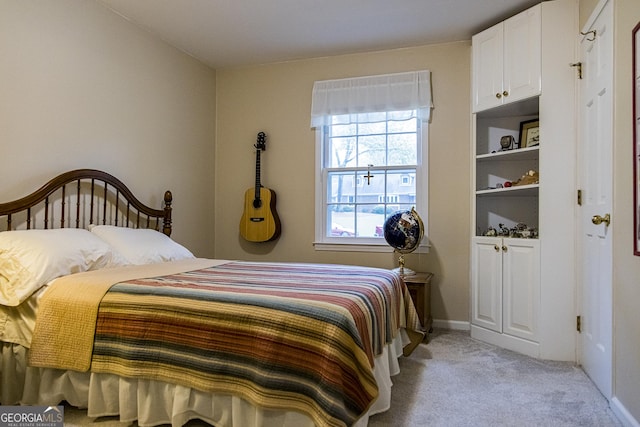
(258,184)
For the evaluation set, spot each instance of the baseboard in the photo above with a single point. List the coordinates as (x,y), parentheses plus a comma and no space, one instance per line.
(451,324)
(623,415)
(509,342)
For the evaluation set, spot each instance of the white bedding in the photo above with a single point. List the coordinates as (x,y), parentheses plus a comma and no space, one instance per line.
(17,323)
(154,403)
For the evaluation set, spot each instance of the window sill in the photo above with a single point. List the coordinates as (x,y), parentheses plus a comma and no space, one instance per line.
(363,247)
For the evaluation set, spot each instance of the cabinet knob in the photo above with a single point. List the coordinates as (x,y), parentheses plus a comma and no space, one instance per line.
(505,93)
(498,95)
(504,248)
(497,248)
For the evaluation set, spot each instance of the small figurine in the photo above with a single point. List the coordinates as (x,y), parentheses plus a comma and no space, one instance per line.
(518,230)
(506,142)
(491,232)
(531,177)
(523,231)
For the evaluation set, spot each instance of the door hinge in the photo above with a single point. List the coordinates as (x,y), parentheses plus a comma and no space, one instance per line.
(579,323)
(579,197)
(593,34)
(578,65)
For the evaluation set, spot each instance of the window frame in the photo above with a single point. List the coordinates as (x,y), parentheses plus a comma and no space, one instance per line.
(369,244)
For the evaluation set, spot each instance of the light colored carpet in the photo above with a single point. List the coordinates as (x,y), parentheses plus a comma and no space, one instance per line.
(456,381)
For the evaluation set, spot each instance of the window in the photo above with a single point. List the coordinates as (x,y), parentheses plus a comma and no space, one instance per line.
(370,164)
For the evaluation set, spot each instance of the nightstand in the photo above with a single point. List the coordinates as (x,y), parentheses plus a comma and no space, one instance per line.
(419,286)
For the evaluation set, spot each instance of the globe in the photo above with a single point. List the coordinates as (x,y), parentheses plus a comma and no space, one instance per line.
(403,231)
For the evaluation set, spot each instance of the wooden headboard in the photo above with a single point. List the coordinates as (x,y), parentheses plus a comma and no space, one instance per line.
(83,197)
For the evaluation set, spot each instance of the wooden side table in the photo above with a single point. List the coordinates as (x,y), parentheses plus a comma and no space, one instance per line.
(419,286)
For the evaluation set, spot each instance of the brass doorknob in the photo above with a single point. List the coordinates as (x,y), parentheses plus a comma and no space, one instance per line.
(597,219)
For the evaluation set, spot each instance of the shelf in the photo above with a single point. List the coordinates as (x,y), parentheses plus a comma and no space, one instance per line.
(525,107)
(519,190)
(527,153)
(506,237)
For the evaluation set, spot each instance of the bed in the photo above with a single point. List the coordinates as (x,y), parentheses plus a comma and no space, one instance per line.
(100,308)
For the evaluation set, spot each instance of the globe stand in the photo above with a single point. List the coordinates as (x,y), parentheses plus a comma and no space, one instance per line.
(402,270)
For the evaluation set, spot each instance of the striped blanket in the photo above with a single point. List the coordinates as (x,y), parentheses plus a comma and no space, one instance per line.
(281,335)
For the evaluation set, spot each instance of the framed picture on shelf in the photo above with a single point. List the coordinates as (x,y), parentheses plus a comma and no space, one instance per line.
(529,133)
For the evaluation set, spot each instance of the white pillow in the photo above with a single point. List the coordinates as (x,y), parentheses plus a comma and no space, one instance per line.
(140,245)
(29,259)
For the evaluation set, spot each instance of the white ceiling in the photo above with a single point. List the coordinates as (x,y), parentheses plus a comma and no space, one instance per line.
(229,33)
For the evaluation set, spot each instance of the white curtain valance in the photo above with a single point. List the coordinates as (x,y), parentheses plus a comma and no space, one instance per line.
(388,92)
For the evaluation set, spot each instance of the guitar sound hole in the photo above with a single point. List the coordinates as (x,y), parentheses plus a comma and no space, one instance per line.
(257,203)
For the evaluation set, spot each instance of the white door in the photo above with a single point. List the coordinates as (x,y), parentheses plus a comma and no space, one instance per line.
(595,164)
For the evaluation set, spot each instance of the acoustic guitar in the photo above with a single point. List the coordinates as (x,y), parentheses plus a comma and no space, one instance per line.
(259,222)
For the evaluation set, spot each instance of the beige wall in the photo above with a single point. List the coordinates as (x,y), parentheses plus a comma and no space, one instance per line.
(586,8)
(276,99)
(626,267)
(81,87)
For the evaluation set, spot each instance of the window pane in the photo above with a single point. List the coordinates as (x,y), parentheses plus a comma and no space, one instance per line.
(344,130)
(371,150)
(341,187)
(368,221)
(401,188)
(371,188)
(341,222)
(372,128)
(403,149)
(342,152)
(396,126)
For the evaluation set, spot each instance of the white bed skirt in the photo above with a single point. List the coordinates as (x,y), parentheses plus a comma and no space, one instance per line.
(153,402)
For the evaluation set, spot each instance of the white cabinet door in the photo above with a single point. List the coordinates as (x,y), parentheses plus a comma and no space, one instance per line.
(506,61)
(487,68)
(505,285)
(486,283)
(522,56)
(521,287)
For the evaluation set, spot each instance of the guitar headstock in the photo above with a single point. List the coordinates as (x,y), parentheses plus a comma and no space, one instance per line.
(260,143)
